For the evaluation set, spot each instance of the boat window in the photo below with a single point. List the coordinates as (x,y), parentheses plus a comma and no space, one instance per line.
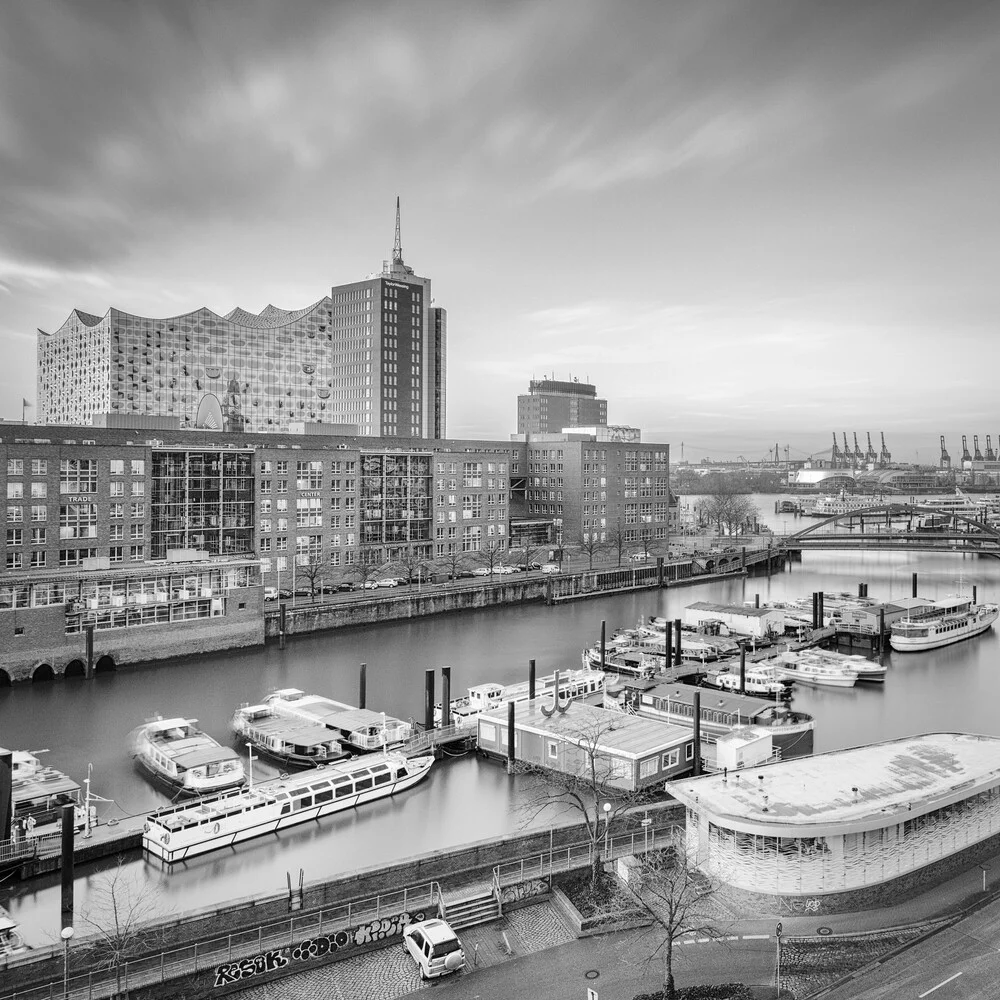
(286,808)
(382,778)
(344,789)
(363,783)
(324,796)
(305,802)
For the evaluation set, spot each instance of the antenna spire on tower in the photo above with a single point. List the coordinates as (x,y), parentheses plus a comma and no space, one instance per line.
(397,247)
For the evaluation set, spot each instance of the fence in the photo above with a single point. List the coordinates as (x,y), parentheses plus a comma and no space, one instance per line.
(167,965)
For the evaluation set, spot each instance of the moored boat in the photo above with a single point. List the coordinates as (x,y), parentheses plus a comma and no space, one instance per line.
(817,674)
(189,761)
(184,831)
(288,741)
(948,621)
(867,670)
(759,679)
(38,794)
(11,942)
(357,728)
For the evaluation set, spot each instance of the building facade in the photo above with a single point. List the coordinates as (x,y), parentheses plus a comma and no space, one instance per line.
(371,356)
(550,406)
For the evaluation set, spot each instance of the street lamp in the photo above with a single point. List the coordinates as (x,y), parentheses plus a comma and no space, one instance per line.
(607,818)
(66,934)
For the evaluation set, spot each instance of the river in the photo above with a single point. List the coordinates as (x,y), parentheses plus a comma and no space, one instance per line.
(465,799)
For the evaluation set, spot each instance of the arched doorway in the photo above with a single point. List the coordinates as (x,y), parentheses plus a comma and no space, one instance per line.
(105,665)
(75,669)
(5,680)
(43,672)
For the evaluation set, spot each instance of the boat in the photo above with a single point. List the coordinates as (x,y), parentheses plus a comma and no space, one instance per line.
(947,621)
(867,670)
(573,685)
(189,761)
(38,794)
(791,731)
(759,679)
(176,833)
(11,942)
(287,741)
(818,674)
(830,505)
(360,729)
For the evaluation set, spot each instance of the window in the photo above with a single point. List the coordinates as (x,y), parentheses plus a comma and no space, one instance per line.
(265,468)
(265,524)
(116,532)
(552,750)
(117,553)
(39,513)
(15,491)
(15,514)
(136,553)
(689,752)
(647,768)
(265,487)
(39,467)
(137,532)
(77,475)
(15,466)
(15,536)
(117,466)
(75,557)
(670,759)
(78,520)
(265,506)
(37,536)
(14,560)
(138,489)
(117,488)
(309,475)
(281,468)
(117,510)
(138,466)
(39,491)
(36,560)
(265,565)
(138,511)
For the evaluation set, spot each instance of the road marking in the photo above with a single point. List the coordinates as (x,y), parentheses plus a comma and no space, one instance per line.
(939,985)
(756,937)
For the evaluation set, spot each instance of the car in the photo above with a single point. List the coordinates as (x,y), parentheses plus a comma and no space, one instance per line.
(389,581)
(506,570)
(270,593)
(434,946)
(550,568)
(481,571)
(346,585)
(638,557)
(370,585)
(284,594)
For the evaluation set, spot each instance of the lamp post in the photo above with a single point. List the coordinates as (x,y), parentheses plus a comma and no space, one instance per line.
(66,934)
(777,943)
(607,817)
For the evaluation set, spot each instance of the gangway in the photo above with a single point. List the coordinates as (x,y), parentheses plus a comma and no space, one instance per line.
(431,739)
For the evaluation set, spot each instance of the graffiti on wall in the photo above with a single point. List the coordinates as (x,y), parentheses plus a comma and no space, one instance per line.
(318,947)
(524,890)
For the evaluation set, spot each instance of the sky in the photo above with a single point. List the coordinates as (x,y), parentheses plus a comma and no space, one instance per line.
(746,222)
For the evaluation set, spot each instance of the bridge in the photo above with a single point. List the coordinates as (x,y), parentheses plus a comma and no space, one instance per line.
(900,527)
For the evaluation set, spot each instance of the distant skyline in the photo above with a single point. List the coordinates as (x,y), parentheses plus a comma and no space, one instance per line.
(745,222)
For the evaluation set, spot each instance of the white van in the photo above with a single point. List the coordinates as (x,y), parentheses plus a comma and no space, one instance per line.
(434,946)
(550,567)
(270,593)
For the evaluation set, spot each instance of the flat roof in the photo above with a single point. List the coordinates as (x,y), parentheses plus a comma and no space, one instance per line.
(733,609)
(620,733)
(859,788)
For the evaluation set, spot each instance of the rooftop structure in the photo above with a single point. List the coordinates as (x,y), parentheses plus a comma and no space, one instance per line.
(552,406)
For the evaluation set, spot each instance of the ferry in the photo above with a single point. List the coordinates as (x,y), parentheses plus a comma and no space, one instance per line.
(358,728)
(573,685)
(38,794)
(187,760)
(288,742)
(830,505)
(948,621)
(791,731)
(184,831)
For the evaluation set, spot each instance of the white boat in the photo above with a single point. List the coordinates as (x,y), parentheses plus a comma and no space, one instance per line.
(573,685)
(818,674)
(357,728)
(184,831)
(189,761)
(761,681)
(11,942)
(867,670)
(288,741)
(38,794)
(948,621)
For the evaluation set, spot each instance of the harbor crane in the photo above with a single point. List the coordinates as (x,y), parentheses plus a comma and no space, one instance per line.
(885,458)
(977,454)
(848,454)
(836,456)
(945,457)
(859,455)
(966,457)
(870,457)
(991,455)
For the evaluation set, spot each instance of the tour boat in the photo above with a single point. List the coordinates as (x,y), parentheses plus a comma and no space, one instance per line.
(791,731)
(357,728)
(288,741)
(759,679)
(573,685)
(38,794)
(815,673)
(948,621)
(188,760)
(867,670)
(184,831)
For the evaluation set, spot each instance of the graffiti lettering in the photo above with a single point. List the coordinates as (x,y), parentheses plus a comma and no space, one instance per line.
(524,890)
(318,947)
(791,904)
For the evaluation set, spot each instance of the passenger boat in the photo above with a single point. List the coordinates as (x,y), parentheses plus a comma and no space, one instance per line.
(38,794)
(815,673)
(185,831)
(358,728)
(948,621)
(867,670)
(11,942)
(791,731)
(830,505)
(573,685)
(187,760)
(760,680)
(288,741)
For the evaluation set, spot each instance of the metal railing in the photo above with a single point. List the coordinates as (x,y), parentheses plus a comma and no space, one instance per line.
(185,960)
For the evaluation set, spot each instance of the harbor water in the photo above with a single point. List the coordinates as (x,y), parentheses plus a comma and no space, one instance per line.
(465,799)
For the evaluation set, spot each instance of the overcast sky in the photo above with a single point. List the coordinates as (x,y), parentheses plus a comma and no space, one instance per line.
(745,221)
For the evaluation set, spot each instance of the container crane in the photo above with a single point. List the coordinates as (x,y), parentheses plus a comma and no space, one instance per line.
(859,455)
(848,456)
(966,457)
(991,455)
(945,457)
(884,458)
(977,454)
(870,457)
(836,456)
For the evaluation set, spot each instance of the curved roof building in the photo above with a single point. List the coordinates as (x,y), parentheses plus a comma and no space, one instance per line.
(846,820)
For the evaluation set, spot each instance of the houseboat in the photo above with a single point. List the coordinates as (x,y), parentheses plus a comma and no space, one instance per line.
(287,741)
(38,794)
(573,684)
(185,831)
(357,729)
(190,762)
(948,621)
(791,731)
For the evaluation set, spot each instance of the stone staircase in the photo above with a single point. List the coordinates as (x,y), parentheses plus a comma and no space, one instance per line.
(472,910)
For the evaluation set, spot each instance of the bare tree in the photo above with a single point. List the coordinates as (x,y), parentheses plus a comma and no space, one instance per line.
(679,896)
(363,572)
(411,563)
(312,569)
(121,912)
(616,539)
(587,784)
(590,545)
(454,562)
(645,543)
(527,553)
(491,556)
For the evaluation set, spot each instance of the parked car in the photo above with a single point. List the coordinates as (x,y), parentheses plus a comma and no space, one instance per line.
(481,571)
(638,557)
(284,594)
(270,593)
(389,581)
(434,946)
(346,585)
(369,585)
(550,568)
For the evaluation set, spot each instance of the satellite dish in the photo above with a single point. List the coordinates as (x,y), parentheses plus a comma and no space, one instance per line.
(209,413)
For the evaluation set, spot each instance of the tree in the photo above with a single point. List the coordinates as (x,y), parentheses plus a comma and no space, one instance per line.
(587,781)
(526,554)
(678,895)
(121,912)
(411,563)
(645,542)
(363,571)
(454,561)
(311,569)
(616,539)
(491,556)
(590,545)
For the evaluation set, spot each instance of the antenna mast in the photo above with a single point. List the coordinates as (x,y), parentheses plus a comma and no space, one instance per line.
(397,247)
